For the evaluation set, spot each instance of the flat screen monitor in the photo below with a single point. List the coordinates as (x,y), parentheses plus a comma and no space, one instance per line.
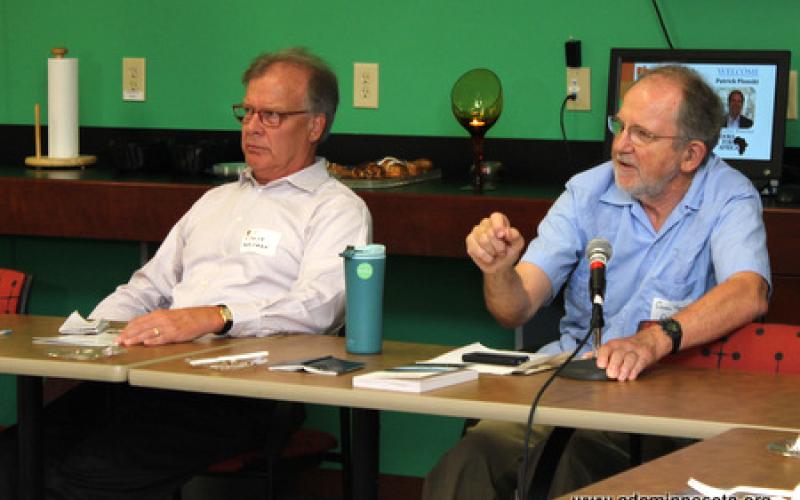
(753,145)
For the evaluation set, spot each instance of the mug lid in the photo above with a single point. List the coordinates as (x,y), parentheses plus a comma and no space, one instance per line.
(364,252)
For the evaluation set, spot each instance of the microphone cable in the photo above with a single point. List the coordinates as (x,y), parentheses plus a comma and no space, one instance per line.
(522,473)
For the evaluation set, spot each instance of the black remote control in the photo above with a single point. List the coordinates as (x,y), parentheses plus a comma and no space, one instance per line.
(494,358)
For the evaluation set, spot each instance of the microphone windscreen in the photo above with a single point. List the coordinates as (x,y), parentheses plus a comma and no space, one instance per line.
(598,246)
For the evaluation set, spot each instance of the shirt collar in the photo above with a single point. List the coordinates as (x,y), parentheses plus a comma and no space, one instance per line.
(692,199)
(308,178)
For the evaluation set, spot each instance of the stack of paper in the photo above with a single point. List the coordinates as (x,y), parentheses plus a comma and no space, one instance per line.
(536,362)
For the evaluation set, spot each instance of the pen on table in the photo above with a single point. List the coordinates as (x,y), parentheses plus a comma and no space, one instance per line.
(231,357)
(6,331)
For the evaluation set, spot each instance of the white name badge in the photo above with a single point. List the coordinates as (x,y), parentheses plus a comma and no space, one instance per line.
(260,241)
(663,308)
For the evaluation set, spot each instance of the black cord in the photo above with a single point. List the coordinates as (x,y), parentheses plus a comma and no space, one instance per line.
(663,26)
(522,474)
(569,97)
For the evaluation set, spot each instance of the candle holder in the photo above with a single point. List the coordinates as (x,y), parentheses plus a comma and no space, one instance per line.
(477,101)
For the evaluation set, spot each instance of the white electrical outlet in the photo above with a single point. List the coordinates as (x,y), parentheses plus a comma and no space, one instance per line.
(579,82)
(365,85)
(133,79)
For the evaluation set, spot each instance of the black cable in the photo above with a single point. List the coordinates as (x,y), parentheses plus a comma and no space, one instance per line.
(569,97)
(522,473)
(663,26)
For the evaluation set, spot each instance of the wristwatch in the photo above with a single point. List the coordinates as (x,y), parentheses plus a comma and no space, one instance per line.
(673,330)
(227,317)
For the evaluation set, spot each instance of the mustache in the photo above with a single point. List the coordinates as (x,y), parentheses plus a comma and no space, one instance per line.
(624,158)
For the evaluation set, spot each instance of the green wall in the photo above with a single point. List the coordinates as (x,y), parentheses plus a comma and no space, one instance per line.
(196,51)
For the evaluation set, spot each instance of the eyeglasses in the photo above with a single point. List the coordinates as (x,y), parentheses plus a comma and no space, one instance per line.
(639,136)
(267,117)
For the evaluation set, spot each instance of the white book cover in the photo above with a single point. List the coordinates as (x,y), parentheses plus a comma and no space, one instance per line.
(414,378)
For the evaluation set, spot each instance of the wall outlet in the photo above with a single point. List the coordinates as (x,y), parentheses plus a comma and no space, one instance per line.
(791,103)
(579,82)
(365,85)
(133,79)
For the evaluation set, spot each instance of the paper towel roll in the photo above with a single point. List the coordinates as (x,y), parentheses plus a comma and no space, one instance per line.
(62,108)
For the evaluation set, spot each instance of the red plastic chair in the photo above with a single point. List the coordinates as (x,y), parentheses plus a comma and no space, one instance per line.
(756,347)
(14,290)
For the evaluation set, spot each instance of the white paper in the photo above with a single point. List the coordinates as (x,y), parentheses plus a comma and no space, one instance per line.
(454,356)
(92,340)
(76,324)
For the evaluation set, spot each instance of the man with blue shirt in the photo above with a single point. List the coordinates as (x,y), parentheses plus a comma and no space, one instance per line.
(689,250)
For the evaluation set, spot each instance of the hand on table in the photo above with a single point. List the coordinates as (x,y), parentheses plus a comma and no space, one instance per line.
(166,326)
(624,359)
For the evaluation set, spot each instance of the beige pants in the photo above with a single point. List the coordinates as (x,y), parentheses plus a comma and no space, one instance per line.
(484,464)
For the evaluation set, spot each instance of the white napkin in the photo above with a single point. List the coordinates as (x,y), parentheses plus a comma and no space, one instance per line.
(77,325)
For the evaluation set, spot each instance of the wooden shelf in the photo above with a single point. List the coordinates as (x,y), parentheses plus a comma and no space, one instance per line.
(428,220)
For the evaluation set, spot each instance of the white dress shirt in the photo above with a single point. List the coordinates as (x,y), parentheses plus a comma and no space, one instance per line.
(269,252)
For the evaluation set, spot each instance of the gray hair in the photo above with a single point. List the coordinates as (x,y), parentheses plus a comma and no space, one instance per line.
(323,87)
(700,112)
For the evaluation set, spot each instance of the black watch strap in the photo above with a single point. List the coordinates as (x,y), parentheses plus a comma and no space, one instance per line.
(227,316)
(673,330)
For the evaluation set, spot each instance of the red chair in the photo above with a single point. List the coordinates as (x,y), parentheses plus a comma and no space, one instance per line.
(14,290)
(756,347)
(15,287)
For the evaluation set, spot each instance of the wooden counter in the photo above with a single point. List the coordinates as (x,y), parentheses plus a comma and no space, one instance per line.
(426,219)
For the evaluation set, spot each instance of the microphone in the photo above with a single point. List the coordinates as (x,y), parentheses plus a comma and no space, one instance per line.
(598,251)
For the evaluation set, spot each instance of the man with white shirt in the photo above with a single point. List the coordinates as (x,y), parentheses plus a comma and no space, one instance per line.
(254,257)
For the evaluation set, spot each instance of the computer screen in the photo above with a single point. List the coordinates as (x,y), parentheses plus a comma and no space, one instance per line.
(753,82)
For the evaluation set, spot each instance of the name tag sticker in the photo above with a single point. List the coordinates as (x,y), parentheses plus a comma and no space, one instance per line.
(663,308)
(260,241)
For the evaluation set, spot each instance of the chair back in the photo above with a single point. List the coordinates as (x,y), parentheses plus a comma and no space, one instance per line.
(14,289)
(756,347)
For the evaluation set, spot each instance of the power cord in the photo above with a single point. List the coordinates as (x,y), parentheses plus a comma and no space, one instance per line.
(570,97)
(522,473)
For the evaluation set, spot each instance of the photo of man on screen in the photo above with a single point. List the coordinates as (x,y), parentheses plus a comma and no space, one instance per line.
(735,118)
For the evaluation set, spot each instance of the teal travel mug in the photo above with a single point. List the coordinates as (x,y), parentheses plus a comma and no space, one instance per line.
(364,269)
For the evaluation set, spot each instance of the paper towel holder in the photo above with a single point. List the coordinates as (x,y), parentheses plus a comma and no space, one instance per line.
(39,161)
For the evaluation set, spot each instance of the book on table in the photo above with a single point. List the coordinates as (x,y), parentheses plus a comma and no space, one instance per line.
(415,378)
(326,365)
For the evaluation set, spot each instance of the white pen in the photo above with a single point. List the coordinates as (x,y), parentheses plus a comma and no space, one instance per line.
(232,357)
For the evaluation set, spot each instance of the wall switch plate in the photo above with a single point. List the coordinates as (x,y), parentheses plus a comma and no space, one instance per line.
(791,103)
(133,79)
(365,85)
(579,81)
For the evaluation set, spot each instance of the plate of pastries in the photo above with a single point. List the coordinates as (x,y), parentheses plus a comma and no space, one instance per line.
(386,172)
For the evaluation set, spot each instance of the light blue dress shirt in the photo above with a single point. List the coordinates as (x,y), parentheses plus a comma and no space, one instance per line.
(716,231)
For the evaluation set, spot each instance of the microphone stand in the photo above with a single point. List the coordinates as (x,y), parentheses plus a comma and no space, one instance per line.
(586,369)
